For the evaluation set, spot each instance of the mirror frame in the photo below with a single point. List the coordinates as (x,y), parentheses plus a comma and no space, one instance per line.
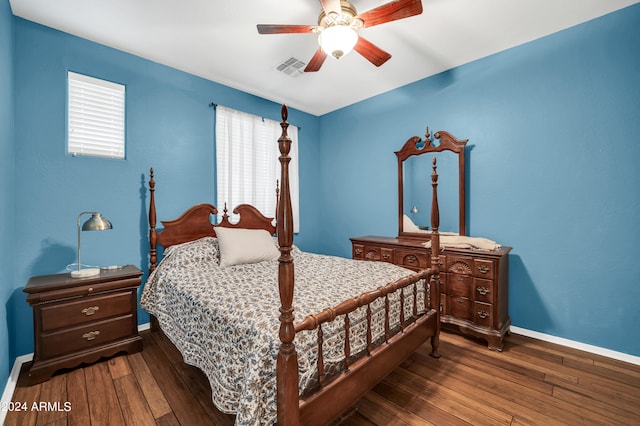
(448,142)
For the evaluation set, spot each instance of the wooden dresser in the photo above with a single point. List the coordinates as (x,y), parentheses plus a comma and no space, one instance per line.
(80,320)
(474,286)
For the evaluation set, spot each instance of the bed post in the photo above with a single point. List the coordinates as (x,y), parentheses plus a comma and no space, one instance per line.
(434,283)
(153,236)
(287,363)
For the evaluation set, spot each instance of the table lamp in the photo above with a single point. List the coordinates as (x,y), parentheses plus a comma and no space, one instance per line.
(95,223)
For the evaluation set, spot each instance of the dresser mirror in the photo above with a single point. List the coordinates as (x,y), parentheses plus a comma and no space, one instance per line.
(415,161)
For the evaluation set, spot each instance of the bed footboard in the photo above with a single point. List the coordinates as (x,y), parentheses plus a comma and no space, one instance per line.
(335,395)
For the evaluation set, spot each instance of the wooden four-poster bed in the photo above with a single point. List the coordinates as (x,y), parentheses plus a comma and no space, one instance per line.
(360,320)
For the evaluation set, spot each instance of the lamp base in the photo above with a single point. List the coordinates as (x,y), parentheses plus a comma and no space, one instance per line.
(83,273)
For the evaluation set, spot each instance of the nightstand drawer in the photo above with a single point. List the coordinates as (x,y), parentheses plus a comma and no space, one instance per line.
(85,310)
(88,336)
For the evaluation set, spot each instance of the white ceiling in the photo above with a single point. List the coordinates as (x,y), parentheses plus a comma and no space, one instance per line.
(218,39)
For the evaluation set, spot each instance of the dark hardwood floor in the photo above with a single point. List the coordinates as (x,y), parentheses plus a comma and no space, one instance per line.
(530,382)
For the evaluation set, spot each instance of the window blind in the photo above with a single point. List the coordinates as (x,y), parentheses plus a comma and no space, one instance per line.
(247,165)
(95,117)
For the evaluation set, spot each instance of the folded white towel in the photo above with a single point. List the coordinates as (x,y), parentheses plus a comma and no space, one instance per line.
(463,241)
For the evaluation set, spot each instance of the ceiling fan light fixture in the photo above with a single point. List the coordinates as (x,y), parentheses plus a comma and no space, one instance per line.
(338,40)
(338,26)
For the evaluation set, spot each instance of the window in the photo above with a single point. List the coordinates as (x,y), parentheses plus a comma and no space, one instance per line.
(95,117)
(247,164)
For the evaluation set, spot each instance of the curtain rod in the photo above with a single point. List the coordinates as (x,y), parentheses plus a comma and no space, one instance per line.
(215,105)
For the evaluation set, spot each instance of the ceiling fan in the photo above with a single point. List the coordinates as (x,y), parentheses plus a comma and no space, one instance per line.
(337,27)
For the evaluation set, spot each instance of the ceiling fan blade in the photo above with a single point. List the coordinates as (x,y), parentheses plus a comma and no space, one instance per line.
(392,11)
(371,52)
(286,29)
(316,62)
(331,6)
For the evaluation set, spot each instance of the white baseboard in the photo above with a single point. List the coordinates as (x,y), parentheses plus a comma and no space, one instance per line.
(17,365)
(631,359)
(11,383)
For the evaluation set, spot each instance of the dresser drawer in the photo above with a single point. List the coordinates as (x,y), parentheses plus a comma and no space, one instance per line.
(459,307)
(413,259)
(383,254)
(482,314)
(459,285)
(357,251)
(483,290)
(459,265)
(86,309)
(87,336)
(483,268)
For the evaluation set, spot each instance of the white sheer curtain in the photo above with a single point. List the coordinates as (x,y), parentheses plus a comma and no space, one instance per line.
(247,165)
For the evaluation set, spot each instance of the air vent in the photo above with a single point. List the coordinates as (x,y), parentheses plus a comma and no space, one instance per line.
(292,67)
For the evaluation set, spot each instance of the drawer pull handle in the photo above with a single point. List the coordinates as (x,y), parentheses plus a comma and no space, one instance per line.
(460,301)
(483,269)
(483,314)
(411,258)
(482,290)
(358,251)
(91,335)
(460,278)
(386,256)
(90,310)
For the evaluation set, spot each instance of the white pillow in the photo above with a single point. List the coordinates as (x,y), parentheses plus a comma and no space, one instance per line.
(239,246)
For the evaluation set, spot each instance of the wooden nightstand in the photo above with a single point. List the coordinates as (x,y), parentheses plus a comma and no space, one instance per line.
(80,320)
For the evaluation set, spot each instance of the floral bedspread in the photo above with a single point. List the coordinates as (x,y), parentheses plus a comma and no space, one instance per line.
(225,320)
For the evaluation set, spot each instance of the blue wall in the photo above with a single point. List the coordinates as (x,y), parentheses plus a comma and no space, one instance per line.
(552,167)
(170,127)
(553,131)
(7,256)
